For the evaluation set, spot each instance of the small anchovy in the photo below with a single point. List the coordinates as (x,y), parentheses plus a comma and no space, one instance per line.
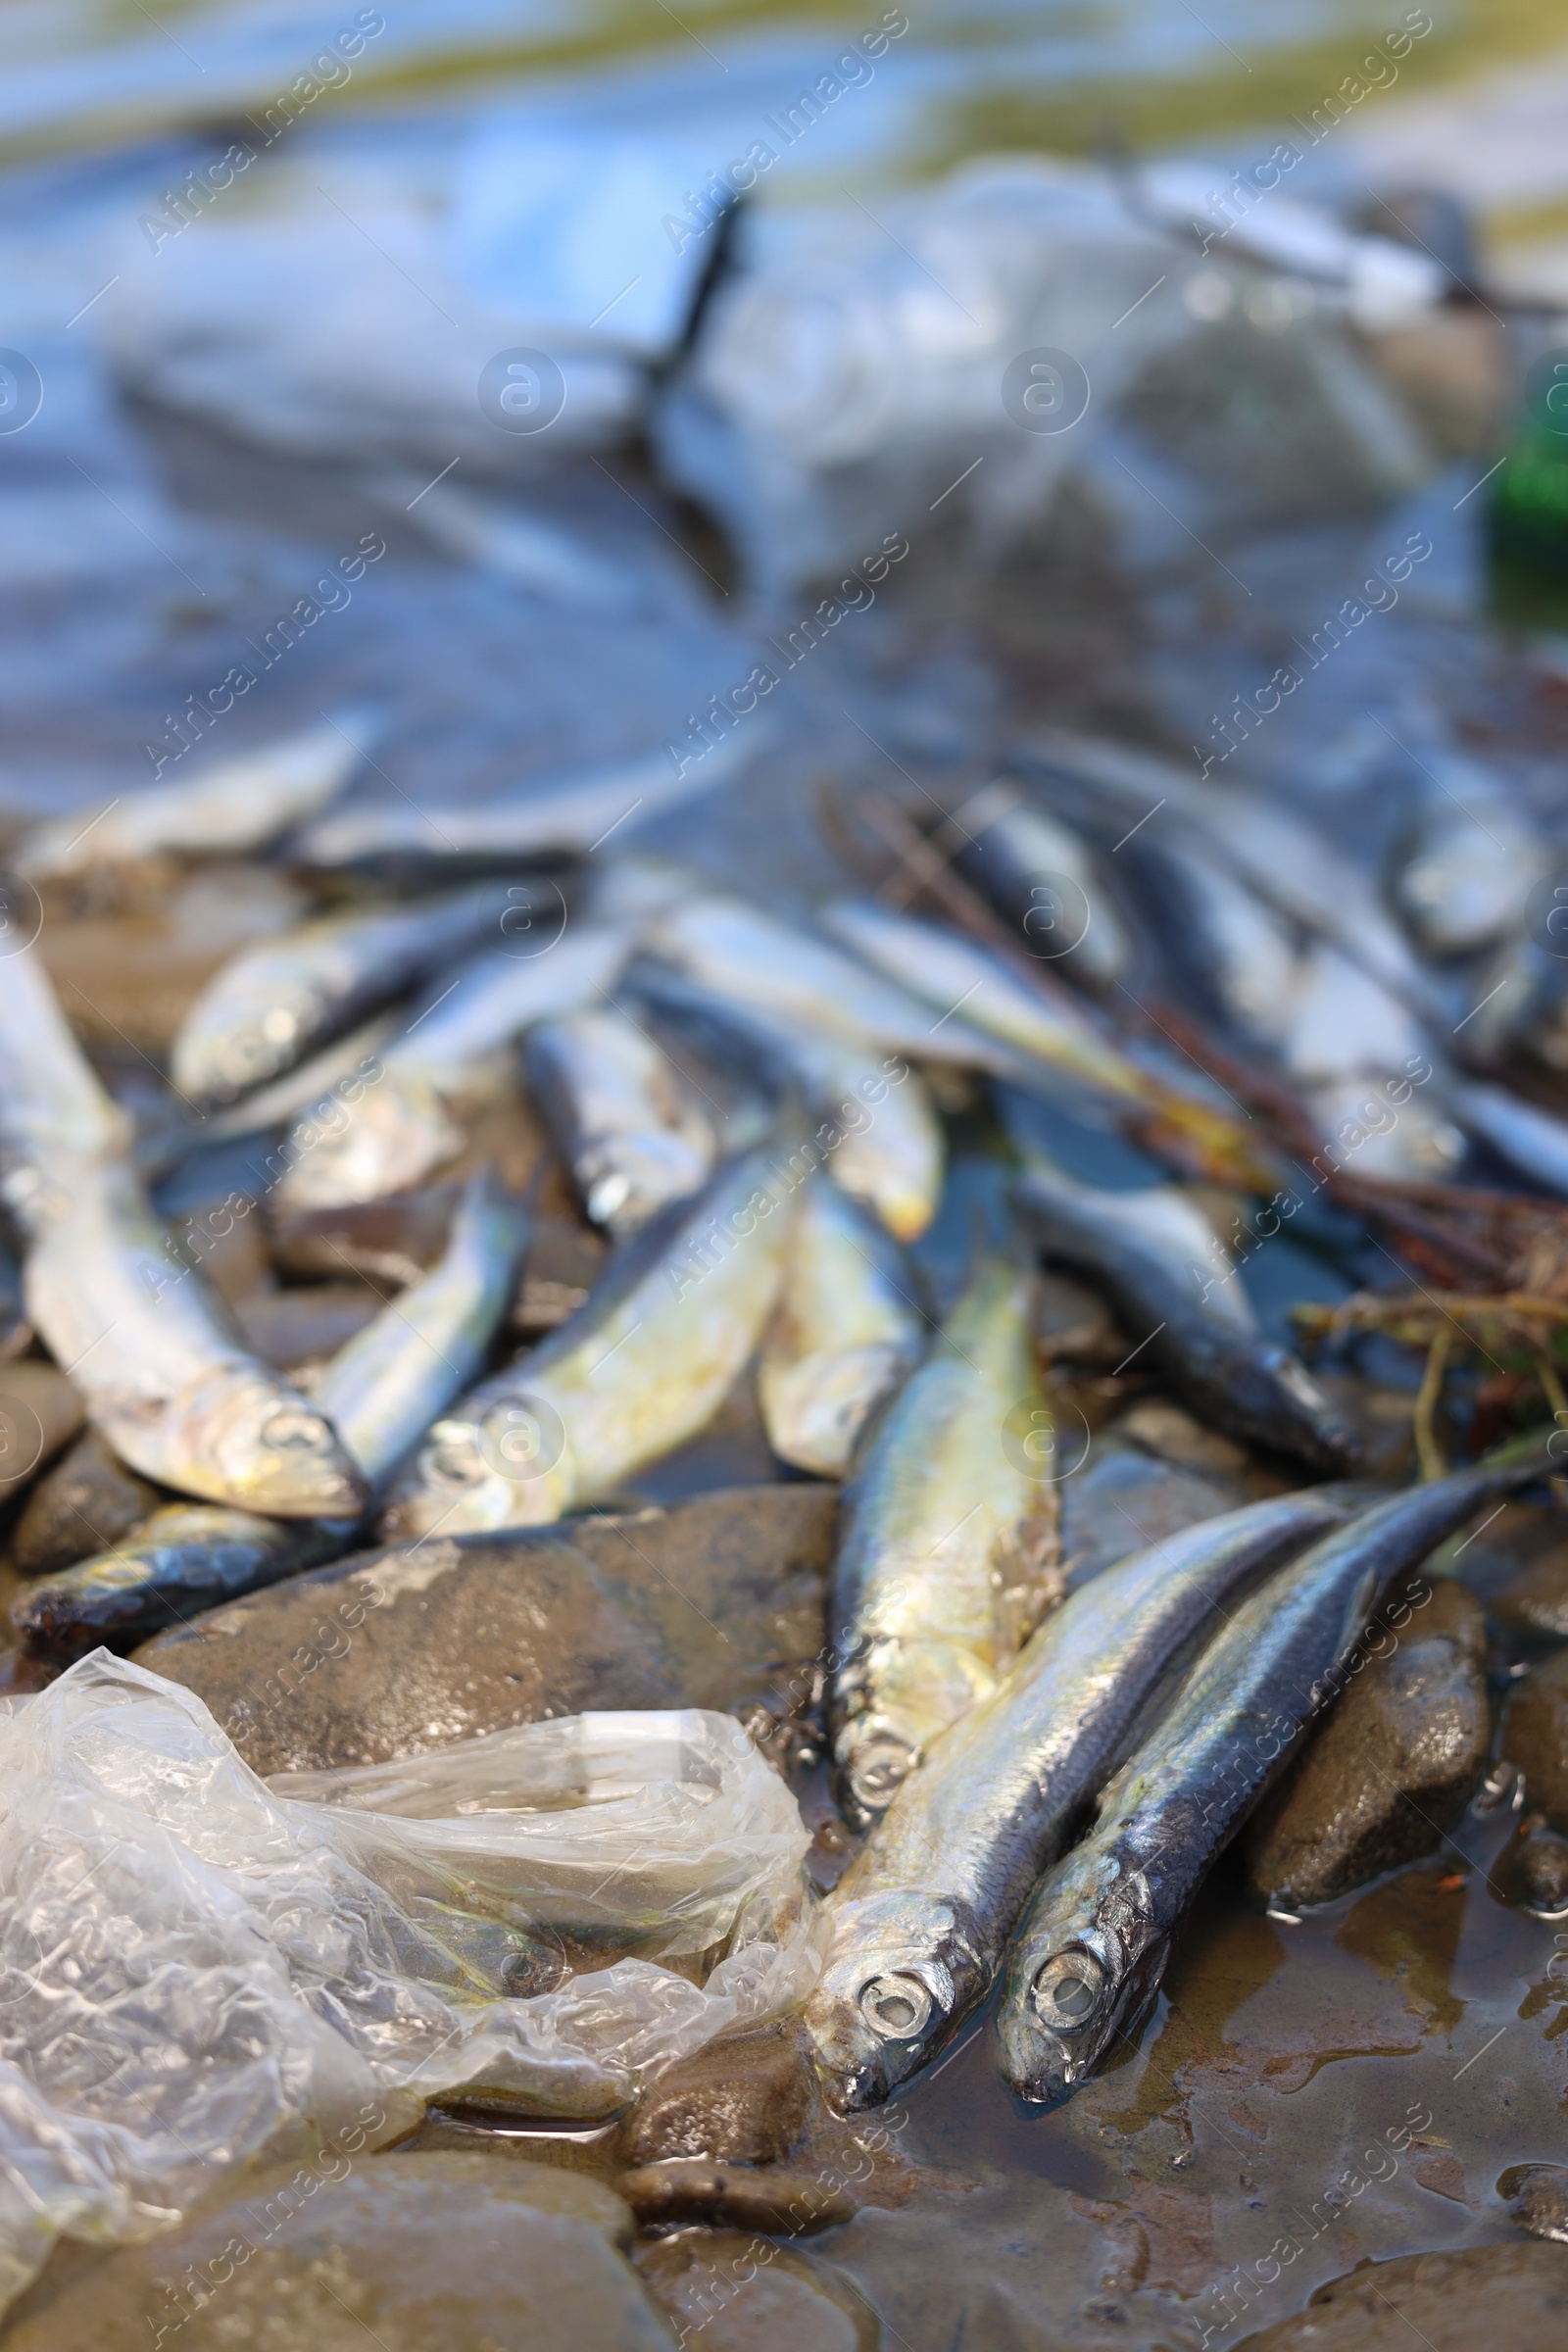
(740,953)
(278,1000)
(234,805)
(949,972)
(1470,862)
(948,1553)
(918,1923)
(846,1334)
(400,1126)
(134,1328)
(1147,1250)
(1089,1955)
(640,1366)
(560,815)
(879,1133)
(1341,1022)
(381,1392)
(1531,1140)
(1242,961)
(619,1115)
(1043,879)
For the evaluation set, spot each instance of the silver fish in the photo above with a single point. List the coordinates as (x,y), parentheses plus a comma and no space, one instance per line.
(163,1374)
(1531,1140)
(619,1115)
(560,815)
(1089,1952)
(846,1334)
(918,1925)
(946,1555)
(879,1133)
(402,1126)
(640,1366)
(1341,1022)
(1176,1293)
(1043,878)
(226,808)
(1471,862)
(749,958)
(281,999)
(381,1392)
(951,973)
(1242,959)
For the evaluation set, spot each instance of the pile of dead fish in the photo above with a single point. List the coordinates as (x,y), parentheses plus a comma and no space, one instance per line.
(749,1109)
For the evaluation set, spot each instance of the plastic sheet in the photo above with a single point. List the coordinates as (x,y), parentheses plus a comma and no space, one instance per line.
(196,1968)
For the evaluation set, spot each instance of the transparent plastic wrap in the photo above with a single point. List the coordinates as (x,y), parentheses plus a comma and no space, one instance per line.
(196,1967)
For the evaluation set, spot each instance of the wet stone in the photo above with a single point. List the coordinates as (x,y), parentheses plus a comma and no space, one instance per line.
(1392,1767)
(1534,1603)
(424,2253)
(714,1603)
(1514,2294)
(742,2100)
(1123,1499)
(306,1326)
(39,1412)
(1539,2196)
(730,2293)
(770,2197)
(1534,1737)
(88,1501)
(388,1243)
(1537,1871)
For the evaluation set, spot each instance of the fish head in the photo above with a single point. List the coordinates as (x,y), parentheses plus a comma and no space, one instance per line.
(903,1969)
(504,1466)
(921,1688)
(1082,1969)
(243,1436)
(387,1141)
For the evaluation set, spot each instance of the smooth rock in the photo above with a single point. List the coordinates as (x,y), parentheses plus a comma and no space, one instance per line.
(729,2292)
(426,2253)
(1073,1325)
(86,1504)
(1534,1601)
(1539,2196)
(308,1325)
(770,2197)
(715,1602)
(744,2099)
(39,1412)
(389,1243)
(1535,1872)
(1123,1499)
(130,978)
(1513,2295)
(1534,1737)
(1391,1768)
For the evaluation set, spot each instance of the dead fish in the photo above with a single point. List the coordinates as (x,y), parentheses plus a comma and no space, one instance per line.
(951,973)
(878,1129)
(639,1368)
(400,1126)
(619,1115)
(1243,961)
(1342,1023)
(1179,1299)
(751,959)
(147,1346)
(354,1058)
(385,1388)
(1381,1125)
(86,1504)
(381,1392)
(846,1334)
(559,817)
(1470,863)
(278,1000)
(946,1555)
(1531,1140)
(917,1926)
(1091,1950)
(228,807)
(1042,878)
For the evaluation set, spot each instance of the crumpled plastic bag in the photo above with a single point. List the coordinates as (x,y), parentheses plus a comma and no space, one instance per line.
(196,1967)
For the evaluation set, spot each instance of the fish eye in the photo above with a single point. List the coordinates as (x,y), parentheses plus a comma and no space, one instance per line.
(879,1771)
(291,1430)
(894,2006)
(1066,1990)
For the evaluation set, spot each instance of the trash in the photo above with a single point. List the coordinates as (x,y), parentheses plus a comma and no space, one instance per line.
(198,1967)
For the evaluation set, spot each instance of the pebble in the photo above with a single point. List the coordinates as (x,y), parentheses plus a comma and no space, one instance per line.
(304,1326)
(39,1412)
(1392,1767)
(1514,2295)
(714,1603)
(88,1503)
(744,2099)
(729,2292)
(1534,1737)
(770,2197)
(413,2253)
(1539,2196)
(1122,1499)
